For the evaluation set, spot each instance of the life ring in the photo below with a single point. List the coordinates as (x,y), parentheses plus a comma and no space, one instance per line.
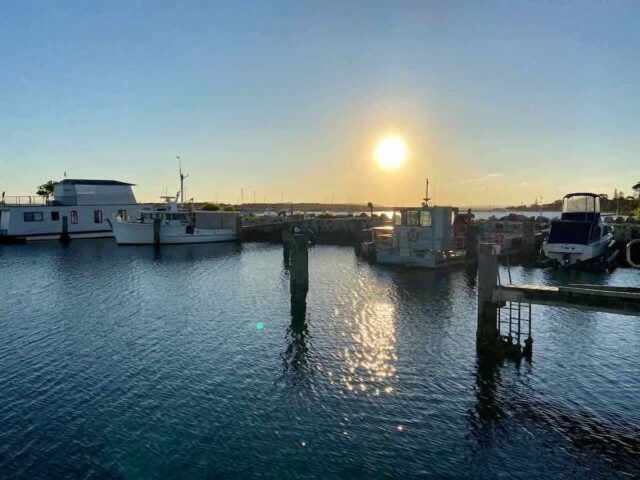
(413,235)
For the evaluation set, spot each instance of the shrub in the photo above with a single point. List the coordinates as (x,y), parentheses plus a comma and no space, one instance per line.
(211,207)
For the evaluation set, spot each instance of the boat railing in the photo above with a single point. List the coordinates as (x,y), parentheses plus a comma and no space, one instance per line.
(629,245)
(23,201)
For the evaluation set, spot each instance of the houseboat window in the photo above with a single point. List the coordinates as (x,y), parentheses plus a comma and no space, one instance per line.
(74,216)
(397,218)
(32,216)
(425,218)
(122,214)
(413,218)
(97,216)
(55,216)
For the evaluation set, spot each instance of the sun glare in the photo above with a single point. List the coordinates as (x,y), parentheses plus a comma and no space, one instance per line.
(391,152)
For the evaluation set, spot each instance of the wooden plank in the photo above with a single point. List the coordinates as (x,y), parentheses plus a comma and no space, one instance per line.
(613,288)
(625,303)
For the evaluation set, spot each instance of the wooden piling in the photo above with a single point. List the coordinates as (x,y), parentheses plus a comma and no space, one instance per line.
(528,239)
(487,334)
(287,238)
(299,272)
(156,231)
(64,236)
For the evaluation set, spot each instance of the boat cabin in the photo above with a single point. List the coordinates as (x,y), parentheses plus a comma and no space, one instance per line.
(148,216)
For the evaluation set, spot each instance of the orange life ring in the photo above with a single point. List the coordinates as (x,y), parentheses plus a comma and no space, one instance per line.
(413,235)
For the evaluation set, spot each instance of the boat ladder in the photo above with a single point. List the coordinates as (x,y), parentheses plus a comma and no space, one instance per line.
(514,321)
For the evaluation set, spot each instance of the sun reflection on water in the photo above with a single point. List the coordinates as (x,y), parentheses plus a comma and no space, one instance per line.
(370,358)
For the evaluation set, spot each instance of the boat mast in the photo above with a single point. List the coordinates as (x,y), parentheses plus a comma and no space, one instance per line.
(182,177)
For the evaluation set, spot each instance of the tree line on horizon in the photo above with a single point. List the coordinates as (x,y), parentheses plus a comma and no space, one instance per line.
(618,202)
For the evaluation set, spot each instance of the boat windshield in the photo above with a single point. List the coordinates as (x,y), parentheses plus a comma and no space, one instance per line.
(581,203)
(412,218)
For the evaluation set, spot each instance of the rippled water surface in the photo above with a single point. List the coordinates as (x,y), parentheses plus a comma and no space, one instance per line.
(124,362)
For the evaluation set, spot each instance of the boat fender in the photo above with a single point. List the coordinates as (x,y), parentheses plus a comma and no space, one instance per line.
(413,235)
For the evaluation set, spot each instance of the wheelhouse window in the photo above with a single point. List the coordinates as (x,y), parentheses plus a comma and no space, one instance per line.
(425,218)
(32,216)
(413,218)
(55,216)
(397,218)
(97,216)
(122,214)
(74,216)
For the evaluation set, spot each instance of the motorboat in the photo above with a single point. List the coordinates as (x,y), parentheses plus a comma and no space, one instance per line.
(580,235)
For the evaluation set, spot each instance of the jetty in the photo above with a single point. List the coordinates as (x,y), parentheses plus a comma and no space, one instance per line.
(504,310)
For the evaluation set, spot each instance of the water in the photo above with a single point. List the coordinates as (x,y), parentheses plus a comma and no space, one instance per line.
(120,362)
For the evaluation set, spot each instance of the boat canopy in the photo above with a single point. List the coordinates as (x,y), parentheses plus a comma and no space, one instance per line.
(581,207)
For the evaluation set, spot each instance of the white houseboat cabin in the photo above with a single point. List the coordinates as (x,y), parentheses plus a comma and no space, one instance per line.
(84,205)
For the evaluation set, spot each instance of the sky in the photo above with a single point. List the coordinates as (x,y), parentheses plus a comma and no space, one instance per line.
(499,102)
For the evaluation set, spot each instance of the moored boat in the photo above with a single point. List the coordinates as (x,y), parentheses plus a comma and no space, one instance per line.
(579,236)
(79,208)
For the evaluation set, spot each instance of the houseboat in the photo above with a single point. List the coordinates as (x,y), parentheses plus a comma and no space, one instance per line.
(579,236)
(79,209)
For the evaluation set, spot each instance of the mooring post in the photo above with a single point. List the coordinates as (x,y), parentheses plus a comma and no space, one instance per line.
(156,231)
(299,272)
(528,238)
(64,236)
(287,238)
(487,334)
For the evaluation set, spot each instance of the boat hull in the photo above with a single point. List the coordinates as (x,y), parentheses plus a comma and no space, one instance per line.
(130,233)
(426,261)
(568,254)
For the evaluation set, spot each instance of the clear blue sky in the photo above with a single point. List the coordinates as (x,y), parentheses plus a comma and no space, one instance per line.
(499,102)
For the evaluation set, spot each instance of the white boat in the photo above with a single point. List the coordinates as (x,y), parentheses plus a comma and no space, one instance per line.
(174,223)
(171,225)
(579,235)
(81,207)
(426,237)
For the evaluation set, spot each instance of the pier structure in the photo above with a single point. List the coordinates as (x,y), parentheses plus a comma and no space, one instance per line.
(504,310)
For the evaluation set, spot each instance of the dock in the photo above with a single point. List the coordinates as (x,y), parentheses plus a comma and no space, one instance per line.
(504,315)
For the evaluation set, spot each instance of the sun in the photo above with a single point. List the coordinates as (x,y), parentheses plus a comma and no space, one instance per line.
(391,152)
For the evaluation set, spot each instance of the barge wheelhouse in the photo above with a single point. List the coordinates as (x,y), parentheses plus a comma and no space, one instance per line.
(426,237)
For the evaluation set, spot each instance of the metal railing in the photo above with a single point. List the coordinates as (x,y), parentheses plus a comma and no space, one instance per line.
(629,245)
(23,201)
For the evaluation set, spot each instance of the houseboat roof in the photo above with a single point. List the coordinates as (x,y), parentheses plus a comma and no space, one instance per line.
(76,181)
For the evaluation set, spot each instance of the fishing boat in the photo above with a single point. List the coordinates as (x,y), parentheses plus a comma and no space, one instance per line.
(579,236)
(78,208)
(174,223)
